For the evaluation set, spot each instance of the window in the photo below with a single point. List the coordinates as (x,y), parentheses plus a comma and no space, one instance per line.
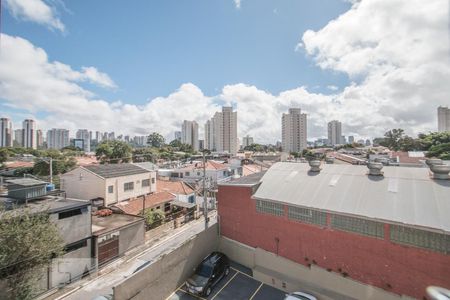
(191,199)
(75,246)
(69,213)
(307,215)
(268,207)
(153,180)
(145,182)
(111,189)
(420,238)
(361,226)
(128,186)
(186,174)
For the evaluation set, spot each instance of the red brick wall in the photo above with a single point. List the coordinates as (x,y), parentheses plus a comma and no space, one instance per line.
(396,268)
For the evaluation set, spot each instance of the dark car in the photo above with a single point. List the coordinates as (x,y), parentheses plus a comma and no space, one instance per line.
(208,273)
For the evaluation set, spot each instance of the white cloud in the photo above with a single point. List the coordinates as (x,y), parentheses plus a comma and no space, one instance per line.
(397,58)
(35,11)
(237,3)
(332,87)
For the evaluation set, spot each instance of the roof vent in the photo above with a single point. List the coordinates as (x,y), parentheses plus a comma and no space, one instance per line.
(315,165)
(440,171)
(329,160)
(375,168)
(433,161)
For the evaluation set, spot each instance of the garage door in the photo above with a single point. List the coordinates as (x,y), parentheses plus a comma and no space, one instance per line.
(108,250)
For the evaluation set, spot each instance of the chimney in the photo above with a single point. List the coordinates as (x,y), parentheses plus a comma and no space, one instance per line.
(375,168)
(315,165)
(439,170)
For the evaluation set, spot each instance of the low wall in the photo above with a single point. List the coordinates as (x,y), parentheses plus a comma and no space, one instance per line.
(166,274)
(290,276)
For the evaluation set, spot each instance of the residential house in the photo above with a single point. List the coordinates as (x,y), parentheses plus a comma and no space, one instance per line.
(111,183)
(182,191)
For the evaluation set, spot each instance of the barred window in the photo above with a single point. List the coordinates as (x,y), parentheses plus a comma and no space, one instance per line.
(420,238)
(361,226)
(145,182)
(307,215)
(268,207)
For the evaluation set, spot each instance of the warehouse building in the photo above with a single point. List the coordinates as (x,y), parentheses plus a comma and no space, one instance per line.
(366,232)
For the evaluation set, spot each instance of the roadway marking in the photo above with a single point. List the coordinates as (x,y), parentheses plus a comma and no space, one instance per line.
(196,296)
(176,290)
(242,273)
(224,286)
(256,291)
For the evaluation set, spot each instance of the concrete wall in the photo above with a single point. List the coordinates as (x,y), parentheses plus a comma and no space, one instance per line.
(373,261)
(119,194)
(74,228)
(71,266)
(82,184)
(131,237)
(289,276)
(165,275)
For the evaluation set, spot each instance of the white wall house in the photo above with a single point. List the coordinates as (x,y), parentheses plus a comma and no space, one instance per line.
(113,182)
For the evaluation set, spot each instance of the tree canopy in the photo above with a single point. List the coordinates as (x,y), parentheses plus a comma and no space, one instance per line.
(27,245)
(113,152)
(156,140)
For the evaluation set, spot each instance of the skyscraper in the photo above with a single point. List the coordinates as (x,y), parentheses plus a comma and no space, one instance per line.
(178,135)
(221,131)
(39,138)
(57,138)
(247,141)
(6,137)
(18,137)
(351,139)
(83,134)
(443,119)
(189,134)
(29,133)
(294,131)
(335,133)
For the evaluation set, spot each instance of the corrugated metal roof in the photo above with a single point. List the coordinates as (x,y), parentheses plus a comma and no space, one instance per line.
(26,181)
(115,170)
(402,195)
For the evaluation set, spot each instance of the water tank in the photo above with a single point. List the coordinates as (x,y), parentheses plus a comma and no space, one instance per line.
(50,187)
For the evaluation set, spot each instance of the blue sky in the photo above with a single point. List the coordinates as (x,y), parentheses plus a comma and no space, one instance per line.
(143,66)
(150,48)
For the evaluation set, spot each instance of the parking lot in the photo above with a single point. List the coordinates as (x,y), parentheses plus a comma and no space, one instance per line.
(238,285)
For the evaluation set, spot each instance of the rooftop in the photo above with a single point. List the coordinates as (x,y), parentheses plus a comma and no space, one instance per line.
(51,204)
(26,182)
(246,180)
(101,225)
(175,187)
(403,195)
(115,170)
(135,206)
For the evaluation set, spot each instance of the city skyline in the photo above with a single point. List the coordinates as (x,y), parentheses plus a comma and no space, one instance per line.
(370,93)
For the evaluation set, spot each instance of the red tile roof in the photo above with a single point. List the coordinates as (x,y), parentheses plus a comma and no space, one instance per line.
(175,187)
(19,164)
(135,206)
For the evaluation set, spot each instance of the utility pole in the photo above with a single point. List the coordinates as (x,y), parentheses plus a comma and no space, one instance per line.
(51,170)
(205,198)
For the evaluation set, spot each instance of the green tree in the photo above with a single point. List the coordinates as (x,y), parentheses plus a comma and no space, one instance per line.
(154,217)
(441,151)
(155,140)
(4,155)
(393,139)
(145,154)
(60,165)
(113,152)
(175,143)
(426,141)
(254,148)
(27,245)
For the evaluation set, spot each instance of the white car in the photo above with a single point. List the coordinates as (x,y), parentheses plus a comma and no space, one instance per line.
(299,295)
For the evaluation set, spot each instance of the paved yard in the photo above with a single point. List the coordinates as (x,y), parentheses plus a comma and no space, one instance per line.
(238,285)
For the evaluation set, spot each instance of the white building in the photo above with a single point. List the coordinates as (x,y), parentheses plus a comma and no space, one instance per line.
(189,134)
(39,138)
(29,134)
(334,133)
(443,119)
(221,131)
(57,138)
(247,141)
(6,137)
(111,182)
(83,134)
(18,137)
(294,131)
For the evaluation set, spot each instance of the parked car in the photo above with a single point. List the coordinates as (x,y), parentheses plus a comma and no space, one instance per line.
(299,295)
(209,272)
